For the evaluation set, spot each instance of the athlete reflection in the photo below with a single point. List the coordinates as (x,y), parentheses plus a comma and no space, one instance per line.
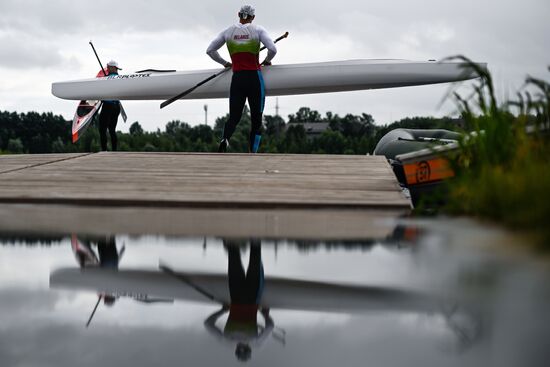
(109,258)
(245,290)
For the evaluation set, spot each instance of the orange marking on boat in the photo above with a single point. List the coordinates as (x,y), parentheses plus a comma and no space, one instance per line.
(426,171)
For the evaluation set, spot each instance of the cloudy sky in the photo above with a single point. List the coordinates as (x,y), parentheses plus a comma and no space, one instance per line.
(45,41)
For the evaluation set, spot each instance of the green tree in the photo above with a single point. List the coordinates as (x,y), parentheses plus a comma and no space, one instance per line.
(274,126)
(305,114)
(15,146)
(295,140)
(58,146)
(136,129)
(331,142)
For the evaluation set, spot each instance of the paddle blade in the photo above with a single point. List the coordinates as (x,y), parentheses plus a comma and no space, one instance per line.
(123,113)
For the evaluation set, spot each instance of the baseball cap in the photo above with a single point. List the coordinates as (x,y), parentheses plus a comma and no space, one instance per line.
(113,63)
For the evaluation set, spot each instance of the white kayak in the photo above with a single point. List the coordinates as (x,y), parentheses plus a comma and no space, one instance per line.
(279,293)
(289,79)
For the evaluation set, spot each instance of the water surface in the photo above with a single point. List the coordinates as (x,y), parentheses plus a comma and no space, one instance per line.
(433,293)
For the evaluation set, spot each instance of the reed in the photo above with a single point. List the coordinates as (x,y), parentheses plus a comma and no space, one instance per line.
(503,164)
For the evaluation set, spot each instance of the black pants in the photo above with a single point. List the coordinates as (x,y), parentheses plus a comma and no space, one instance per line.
(108,119)
(246,84)
(108,253)
(246,288)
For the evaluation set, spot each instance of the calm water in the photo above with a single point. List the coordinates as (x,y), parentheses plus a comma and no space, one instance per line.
(434,293)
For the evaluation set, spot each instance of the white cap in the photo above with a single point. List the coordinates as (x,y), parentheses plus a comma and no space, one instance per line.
(113,63)
(246,11)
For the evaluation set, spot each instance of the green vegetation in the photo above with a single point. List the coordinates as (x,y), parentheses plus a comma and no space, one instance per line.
(349,134)
(503,169)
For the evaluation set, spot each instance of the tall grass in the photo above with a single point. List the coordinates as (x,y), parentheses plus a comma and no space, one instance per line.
(503,171)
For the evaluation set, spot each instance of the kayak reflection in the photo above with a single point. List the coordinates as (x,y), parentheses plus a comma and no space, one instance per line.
(242,294)
(240,287)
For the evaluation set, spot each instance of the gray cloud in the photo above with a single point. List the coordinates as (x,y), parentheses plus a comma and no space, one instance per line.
(23,52)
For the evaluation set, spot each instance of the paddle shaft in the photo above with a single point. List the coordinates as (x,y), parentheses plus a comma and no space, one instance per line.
(93,312)
(187,281)
(183,94)
(98,60)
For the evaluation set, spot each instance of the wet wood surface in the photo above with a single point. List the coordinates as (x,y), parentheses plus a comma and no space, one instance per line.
(198,180)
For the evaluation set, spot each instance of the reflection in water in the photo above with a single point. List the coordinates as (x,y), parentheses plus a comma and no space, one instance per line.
(109,258)
(245,290)
(391,301)
(245,294)
(109,255)
(240,293)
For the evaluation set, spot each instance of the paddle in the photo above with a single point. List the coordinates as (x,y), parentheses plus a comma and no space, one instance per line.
(280,338)
(122,112)
(188,281)
(93,312)
(183,94)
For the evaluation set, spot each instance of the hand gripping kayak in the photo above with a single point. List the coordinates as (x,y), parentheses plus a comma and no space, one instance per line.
(183,94)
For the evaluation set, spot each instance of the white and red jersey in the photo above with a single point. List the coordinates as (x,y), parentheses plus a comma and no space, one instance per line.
(243,42)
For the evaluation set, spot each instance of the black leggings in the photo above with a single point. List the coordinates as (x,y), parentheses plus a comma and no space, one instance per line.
(246,84)
(108,119)
(245,288)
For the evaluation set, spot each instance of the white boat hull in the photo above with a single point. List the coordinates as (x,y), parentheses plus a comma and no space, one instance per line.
(291,79)
(279,293)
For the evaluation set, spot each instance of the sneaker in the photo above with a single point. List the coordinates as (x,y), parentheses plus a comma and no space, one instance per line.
(223,146)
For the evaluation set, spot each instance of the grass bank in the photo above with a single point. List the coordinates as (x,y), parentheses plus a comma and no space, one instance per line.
(503,165)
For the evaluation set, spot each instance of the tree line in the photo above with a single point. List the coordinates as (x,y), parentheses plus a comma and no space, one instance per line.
(33,132)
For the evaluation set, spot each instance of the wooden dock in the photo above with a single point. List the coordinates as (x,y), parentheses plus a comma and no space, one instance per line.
(195,182)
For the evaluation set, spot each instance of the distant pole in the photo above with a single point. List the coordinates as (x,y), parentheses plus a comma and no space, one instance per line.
(277,106)
(206,114)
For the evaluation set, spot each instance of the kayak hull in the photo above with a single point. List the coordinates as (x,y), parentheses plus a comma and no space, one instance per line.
(279,293)
(83,116)
(290,79)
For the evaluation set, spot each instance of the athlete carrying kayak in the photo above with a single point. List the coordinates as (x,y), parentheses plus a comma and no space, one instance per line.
(243,42)
(110,111)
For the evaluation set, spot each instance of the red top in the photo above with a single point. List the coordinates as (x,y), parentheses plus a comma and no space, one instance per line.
(100,73)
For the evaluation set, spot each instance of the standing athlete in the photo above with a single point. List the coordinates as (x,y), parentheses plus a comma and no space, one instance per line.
(243,42)
(108,117)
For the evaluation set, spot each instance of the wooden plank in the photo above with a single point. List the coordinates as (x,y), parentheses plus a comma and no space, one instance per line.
(14,162)
(224,180)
